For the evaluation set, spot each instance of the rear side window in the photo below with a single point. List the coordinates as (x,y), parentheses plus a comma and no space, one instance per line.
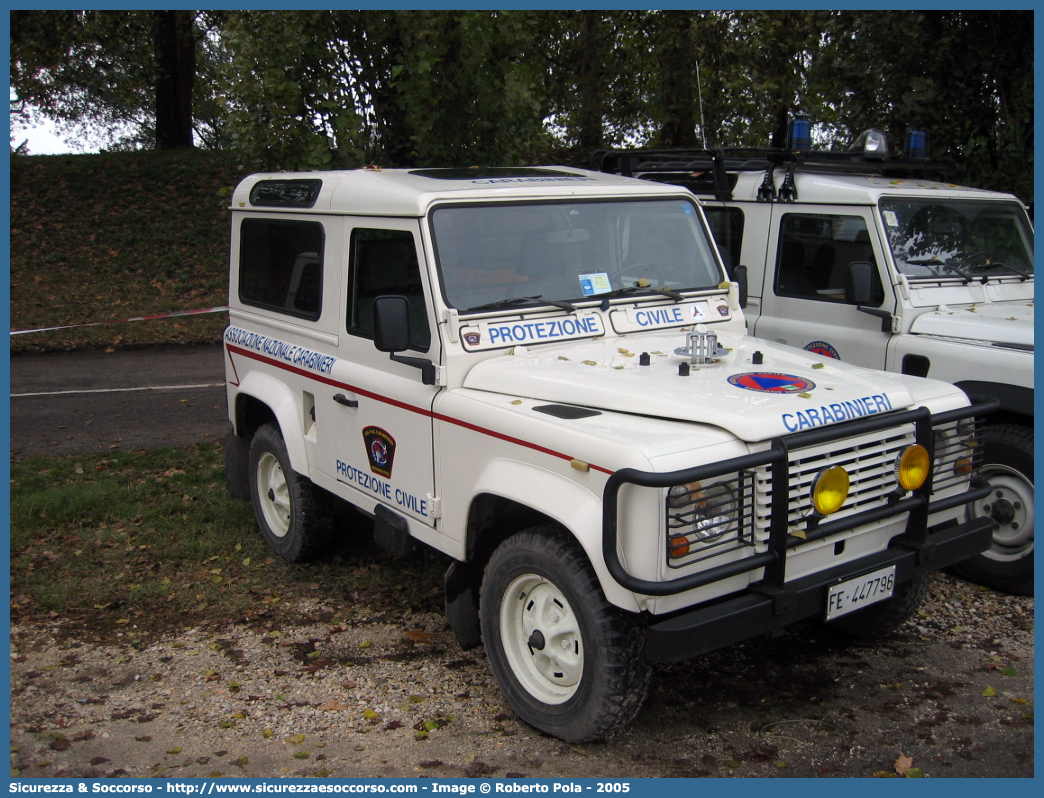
(281,266)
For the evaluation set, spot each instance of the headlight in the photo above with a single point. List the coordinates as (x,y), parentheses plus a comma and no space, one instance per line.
(829,490)
(912,467)
(702,513)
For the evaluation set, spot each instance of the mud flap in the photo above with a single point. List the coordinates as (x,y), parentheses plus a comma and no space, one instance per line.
(237,451)
(462,604)
(392,533)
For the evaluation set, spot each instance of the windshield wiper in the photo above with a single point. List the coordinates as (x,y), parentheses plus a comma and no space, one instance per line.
(639,290)
(936,262)
(524,300)
(996,264)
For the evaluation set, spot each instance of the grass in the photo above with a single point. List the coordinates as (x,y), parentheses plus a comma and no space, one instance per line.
(97,238)
(150,537)
(153,538)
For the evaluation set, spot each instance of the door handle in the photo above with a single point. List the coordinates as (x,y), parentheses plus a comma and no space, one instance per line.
(341,399)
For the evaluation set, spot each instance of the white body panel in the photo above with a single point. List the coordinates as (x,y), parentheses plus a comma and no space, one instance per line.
(371,431)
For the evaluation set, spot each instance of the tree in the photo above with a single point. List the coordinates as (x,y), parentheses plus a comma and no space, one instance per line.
(340,88)
(131,75)
(175,47)
(964,77)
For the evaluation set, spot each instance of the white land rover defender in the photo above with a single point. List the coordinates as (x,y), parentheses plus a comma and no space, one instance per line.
(544,374)
(850,256)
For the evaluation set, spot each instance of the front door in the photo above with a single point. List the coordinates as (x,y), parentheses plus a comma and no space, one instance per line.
(804,304)
(381,448)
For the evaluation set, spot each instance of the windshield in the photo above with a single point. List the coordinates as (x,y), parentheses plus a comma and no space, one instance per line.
(540,253)
(966,239)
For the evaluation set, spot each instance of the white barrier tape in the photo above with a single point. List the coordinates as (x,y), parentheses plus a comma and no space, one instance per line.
(121,321)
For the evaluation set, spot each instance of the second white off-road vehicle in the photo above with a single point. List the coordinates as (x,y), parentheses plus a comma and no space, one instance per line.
(544,374)
(853,256)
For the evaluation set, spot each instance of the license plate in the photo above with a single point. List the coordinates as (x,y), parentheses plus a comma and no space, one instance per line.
(854,594)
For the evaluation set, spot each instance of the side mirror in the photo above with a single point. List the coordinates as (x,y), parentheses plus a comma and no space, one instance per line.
(391,333)
(740,273)
(391,323)
(858,282)
(858,291)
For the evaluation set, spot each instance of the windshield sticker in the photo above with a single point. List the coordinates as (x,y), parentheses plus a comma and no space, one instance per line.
(500,334)
(770,382)
(836,412)
(636,319)
(822,348)
(891,219)
(595,283)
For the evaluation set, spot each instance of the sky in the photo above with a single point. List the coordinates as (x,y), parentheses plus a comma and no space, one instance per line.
(43,142)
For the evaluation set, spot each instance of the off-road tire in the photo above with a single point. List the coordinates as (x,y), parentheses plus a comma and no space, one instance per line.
(292,513)
(886,616)
(1008,464)
(595,678)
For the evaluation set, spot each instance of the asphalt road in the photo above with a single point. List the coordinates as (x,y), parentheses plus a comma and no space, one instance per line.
(84,402)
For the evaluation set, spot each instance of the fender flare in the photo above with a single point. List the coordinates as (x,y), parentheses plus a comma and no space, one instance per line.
(578,509)
(277,397)
(1013,398)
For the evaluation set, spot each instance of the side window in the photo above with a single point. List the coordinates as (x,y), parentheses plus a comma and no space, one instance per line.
(281,266)
(726,226)
(814,253)
(385,262)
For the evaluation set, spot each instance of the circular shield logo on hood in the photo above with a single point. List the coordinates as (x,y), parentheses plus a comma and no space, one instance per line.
(770,382)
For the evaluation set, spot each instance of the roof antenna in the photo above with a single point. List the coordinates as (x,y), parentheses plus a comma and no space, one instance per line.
(699,88)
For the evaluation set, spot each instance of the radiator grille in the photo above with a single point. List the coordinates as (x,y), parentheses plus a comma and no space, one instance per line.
(721,516)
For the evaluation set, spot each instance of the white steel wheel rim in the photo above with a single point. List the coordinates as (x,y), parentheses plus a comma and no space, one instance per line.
(542,639)
(273,494)
(1010,504)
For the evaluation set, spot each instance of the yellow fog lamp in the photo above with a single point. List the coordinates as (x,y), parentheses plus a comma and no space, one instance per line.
(913,467)
(830,490)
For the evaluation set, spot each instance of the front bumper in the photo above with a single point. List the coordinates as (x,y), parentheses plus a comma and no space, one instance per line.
(764,610)
(918,505)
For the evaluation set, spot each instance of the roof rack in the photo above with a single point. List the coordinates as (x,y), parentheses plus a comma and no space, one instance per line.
(708,171)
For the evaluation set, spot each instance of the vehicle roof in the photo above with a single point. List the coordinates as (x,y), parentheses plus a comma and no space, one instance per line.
(855,189)
(411,192)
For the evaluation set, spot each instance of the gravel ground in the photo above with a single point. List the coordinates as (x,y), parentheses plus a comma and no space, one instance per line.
(390,696)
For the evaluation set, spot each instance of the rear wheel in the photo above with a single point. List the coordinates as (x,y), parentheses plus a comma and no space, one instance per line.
(290,511)
(568,662)
(1008,465)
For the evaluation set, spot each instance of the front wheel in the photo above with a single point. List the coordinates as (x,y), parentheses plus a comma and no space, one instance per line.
(290,511)
(568,662)
(1008,465)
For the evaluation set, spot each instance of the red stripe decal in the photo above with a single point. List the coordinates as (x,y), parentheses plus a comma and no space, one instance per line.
(402,405)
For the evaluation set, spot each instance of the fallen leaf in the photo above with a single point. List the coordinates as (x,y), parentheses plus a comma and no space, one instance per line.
(333,706)
(419,635)
(903,764)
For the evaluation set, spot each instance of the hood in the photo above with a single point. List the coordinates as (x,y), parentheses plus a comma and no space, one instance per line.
(790,390)
(1007,323)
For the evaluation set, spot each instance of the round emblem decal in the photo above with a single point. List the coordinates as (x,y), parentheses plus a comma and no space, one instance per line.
(822,348)
(769,382)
